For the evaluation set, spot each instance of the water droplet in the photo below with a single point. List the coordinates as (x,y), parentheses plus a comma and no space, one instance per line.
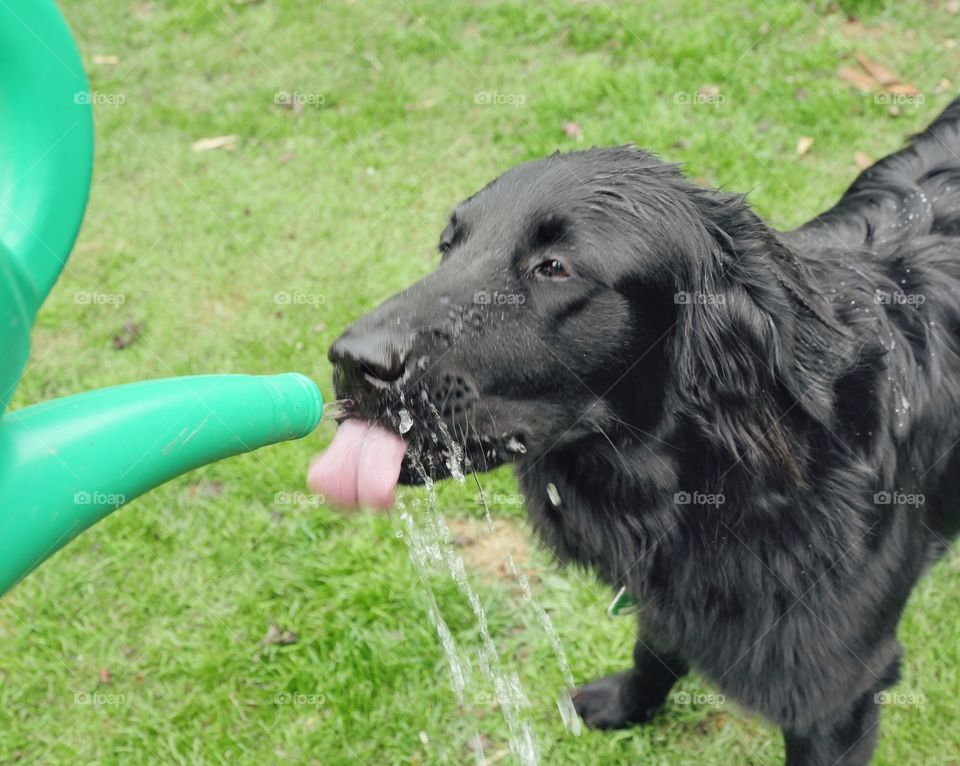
(455,467)
(406,421)
(553,494)
(454,460)
(514,445)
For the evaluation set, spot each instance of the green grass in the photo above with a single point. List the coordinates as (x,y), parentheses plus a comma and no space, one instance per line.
(342,203)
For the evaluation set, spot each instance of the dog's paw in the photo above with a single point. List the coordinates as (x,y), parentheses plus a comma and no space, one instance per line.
(612,702)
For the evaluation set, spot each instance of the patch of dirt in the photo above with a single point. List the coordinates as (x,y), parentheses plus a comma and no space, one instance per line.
(489,551)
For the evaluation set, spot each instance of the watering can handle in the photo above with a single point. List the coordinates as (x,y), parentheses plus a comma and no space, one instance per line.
(46,143)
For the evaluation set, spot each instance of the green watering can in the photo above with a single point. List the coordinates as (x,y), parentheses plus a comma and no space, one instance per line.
(65,464)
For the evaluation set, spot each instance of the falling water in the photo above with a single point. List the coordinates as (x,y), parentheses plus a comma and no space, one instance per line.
(568,714)
(423,551)
(454,450)
(430,542)
(565,704)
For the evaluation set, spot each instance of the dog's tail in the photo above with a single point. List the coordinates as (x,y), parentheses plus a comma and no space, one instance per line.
(910,193)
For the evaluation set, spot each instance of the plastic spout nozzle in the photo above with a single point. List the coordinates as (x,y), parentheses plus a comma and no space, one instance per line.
(66,464)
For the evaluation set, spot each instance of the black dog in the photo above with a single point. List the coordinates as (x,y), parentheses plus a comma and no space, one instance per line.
(753,431)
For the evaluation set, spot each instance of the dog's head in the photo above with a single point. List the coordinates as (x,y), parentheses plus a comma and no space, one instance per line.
(585,296)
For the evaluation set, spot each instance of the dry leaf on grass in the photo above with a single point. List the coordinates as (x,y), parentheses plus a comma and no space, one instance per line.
(105,60)
(874,77)
(877,71)
(862,160)
(901,89)
(427,103)
(372,60)
(856,78)
(803,145)
(217,142)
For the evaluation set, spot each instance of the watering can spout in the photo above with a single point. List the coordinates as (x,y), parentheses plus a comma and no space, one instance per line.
(67,463)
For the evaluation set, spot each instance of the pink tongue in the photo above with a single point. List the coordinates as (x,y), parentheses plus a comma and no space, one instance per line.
(360,467)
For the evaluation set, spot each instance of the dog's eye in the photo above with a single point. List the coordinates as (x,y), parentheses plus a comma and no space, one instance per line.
(444,247)
(552,269)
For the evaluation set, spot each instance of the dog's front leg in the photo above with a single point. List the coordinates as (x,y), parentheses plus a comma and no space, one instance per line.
(632,696)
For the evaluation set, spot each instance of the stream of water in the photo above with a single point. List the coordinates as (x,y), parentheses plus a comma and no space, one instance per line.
(429,542)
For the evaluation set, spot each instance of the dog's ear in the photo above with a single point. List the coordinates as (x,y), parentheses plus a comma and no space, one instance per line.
(754,346)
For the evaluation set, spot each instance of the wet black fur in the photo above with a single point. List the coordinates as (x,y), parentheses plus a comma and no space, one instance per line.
(797,375)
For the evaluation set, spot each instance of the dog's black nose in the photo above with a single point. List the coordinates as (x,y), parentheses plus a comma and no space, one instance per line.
(375,357)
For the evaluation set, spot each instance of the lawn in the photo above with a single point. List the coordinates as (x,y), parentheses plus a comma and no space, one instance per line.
(148,640)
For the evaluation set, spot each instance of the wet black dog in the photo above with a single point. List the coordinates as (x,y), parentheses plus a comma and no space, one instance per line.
(753,431)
